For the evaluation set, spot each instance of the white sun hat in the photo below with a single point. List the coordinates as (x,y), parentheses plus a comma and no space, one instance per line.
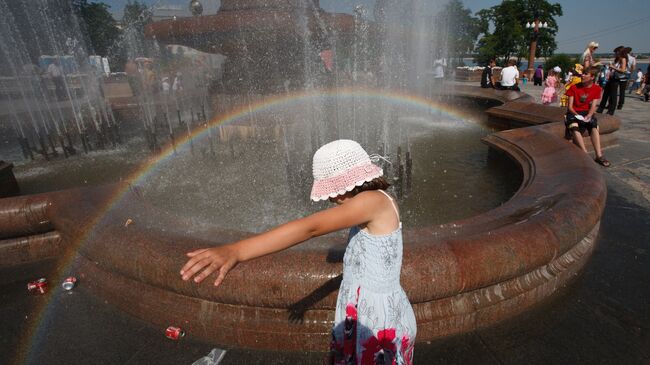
(339,167)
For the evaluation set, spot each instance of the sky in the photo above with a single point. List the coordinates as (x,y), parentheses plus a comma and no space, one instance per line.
(609,22)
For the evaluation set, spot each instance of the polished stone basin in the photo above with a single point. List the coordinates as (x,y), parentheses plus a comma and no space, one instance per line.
(459,276)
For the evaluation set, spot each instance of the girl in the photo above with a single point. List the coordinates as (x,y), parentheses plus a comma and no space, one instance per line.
(549,95)
(374,320)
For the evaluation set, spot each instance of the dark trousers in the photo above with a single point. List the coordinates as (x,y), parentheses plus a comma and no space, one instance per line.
(537,81)
(609,97)
(514,87)
(621,93)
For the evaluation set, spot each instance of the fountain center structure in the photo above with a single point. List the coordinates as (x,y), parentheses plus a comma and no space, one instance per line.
(269,45)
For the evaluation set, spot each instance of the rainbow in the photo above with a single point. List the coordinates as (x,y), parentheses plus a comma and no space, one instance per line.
(33,333)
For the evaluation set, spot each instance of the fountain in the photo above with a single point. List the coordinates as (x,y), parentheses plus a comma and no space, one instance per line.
(232,156)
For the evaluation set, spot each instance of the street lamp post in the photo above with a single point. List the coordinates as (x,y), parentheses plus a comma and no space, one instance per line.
(536,25)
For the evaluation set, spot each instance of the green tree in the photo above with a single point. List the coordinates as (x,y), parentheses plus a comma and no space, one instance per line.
(564,61)
(461,29)
(98,25)
(504,29)
(137,14)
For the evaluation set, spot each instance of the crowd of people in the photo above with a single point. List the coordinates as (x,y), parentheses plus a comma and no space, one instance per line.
(617,77)
(143,77)
(589,88)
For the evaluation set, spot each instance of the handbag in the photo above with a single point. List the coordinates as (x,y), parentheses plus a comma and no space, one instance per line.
(620,76)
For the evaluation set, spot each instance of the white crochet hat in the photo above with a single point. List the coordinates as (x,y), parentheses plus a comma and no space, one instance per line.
(339,167)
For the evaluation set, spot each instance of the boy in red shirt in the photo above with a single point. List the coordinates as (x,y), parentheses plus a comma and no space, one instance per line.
(583,101)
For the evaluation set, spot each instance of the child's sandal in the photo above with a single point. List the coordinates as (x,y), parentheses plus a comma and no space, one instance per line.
(602,161)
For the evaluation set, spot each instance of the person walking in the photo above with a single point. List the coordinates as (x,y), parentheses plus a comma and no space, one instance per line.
(646,85)
(538,77)
(636,85)
(617,74)
(373,317)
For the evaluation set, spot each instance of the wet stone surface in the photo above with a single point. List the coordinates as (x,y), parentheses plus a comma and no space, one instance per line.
(601,318)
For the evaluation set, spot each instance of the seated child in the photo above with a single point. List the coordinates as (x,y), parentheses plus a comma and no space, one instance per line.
(583,101)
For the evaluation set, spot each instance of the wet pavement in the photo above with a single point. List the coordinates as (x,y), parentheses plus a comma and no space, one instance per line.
(602,317)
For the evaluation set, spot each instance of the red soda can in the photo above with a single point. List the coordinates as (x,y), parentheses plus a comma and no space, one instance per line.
(174,333)
(69,283)
(39,286)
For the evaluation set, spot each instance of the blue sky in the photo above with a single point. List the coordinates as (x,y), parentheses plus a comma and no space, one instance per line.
(608,22)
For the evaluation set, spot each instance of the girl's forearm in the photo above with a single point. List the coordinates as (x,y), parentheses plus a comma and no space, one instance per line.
(275,240)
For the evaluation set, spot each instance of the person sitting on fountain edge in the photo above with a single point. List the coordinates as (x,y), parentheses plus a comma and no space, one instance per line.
(583,101)
(345,175)
(509,77)
(487,79)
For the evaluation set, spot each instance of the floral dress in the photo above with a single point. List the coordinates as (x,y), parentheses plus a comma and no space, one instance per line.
(374,321)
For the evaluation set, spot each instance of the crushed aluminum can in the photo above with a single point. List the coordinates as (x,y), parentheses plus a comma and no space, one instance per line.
(174,333)
(69,283)
(213,358)
(38,286)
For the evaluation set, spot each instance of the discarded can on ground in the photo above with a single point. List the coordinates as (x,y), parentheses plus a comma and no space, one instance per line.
(39,286)
(69,283)
(174,333)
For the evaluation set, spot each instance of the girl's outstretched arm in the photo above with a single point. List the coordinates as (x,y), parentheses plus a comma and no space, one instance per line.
(355,211)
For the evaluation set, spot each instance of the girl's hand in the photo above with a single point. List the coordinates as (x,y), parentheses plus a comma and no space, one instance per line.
(221,259)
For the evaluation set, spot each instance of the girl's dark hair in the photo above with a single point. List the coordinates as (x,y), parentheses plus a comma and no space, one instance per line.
(379,183)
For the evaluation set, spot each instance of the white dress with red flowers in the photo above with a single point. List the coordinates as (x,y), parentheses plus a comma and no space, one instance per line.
(374,321)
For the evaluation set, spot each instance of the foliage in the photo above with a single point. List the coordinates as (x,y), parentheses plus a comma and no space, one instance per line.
(97,24)
(565,62)
(461,29)
(137,14)
(509,36)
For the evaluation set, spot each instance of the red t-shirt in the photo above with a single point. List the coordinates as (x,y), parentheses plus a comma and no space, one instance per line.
(583,96)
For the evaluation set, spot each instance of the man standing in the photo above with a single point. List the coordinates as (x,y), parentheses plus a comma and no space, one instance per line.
(56,74)
(583,100)
(487,79)
(509,77)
